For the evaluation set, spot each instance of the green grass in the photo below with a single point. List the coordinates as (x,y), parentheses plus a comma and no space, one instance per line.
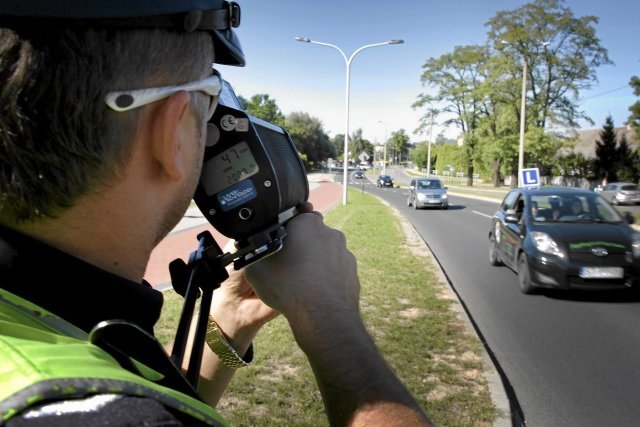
(407,311)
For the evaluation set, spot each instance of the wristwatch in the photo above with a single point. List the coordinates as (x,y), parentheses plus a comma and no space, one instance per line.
(229,357)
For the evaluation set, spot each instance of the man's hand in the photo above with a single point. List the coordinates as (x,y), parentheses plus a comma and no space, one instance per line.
(313,281)
(238,310)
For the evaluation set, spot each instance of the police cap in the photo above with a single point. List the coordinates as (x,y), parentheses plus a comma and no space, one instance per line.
(218,17)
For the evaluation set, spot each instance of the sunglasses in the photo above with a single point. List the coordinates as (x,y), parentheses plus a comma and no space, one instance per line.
(130,99)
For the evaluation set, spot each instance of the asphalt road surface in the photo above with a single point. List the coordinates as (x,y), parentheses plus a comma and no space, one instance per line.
(571,359)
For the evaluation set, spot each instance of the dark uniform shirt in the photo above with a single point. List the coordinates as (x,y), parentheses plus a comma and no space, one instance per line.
(83,295)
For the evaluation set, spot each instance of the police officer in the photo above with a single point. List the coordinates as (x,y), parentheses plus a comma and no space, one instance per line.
(102,133)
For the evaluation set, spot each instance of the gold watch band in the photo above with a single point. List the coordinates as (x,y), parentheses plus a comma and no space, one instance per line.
(221,347)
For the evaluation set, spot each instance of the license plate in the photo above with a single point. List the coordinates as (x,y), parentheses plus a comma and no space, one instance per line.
(601,272)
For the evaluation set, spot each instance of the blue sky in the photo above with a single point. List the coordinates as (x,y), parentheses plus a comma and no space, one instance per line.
(385,80)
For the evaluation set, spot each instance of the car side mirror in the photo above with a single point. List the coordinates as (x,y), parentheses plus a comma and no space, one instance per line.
(446,188)
(511,216)
(629,218)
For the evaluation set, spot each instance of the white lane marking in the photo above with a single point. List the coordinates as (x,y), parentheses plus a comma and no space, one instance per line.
(483,214)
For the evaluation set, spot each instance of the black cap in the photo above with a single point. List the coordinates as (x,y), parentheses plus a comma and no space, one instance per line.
(218,17)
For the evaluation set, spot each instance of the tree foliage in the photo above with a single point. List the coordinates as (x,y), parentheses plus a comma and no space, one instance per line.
(358,145)
(399,143)
(614,158)
(419,155)
(458,77)
(479,88)
(634,118)
(265,108)
(606,152)
(309,138)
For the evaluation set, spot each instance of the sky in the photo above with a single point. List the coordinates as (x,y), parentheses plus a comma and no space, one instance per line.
(385,80)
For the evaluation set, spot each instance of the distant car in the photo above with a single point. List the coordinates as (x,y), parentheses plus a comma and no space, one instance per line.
(566,238)
(358,175)
(384,181)
(427,192)
(620,193)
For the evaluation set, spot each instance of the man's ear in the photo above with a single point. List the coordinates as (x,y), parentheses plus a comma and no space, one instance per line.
(173,128)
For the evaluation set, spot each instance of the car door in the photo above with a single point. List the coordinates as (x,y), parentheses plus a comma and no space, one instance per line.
(513,229)
(500,229)
(412,191)
(503,230)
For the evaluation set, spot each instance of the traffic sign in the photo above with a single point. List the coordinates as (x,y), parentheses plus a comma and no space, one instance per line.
(530,177)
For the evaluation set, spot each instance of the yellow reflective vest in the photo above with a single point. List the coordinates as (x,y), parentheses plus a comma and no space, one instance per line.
(43,358)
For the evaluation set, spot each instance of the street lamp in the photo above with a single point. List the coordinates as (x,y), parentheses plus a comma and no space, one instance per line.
(346,131)
(384,160)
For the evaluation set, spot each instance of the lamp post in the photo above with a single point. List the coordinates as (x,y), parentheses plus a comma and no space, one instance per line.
(429,147)
(523,117)
(348,67)
(384,160)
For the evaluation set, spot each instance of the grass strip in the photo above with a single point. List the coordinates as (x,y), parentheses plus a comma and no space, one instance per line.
(407,310)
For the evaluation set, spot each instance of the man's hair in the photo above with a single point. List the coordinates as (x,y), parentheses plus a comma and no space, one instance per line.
(58,139)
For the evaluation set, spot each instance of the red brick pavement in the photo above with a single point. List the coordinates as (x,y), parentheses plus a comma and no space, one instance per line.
(180,244)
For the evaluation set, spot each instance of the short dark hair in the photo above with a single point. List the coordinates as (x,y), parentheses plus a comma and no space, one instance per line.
(58,139)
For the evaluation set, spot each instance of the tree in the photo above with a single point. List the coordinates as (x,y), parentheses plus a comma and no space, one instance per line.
(606,152)
(458,77)
(338,145)
(628,166)
(309,138)
(419,155)
(265,108)
(561,51)
(358,145)
(634,118)
(399,143)
(479,87)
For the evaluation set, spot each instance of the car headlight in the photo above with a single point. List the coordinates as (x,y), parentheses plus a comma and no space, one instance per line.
(635,245)
(544,243)
(444,195)
(421,196)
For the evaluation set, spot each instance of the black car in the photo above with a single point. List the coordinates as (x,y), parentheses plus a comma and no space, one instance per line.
(384,181)
(358,175)
(567,238)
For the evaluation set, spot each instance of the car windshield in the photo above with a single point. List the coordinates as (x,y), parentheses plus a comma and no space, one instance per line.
(385,177)
(565,207)
(429,185)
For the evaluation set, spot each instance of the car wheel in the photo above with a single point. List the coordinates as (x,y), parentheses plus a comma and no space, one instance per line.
(494,258)
(524,276)
(408,201)
(445,206)
(415,204)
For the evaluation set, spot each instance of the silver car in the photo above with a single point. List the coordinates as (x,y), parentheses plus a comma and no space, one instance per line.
(427,192)
(619,193)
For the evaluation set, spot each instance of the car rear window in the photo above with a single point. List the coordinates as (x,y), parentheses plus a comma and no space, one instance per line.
(629,187)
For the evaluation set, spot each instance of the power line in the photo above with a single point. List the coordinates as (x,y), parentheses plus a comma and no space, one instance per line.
(581,101)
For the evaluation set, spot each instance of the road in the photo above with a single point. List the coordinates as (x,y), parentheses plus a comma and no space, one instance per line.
(571,358)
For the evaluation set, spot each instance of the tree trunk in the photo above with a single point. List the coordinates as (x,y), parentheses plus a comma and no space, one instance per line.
(470,175)
(495,173)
